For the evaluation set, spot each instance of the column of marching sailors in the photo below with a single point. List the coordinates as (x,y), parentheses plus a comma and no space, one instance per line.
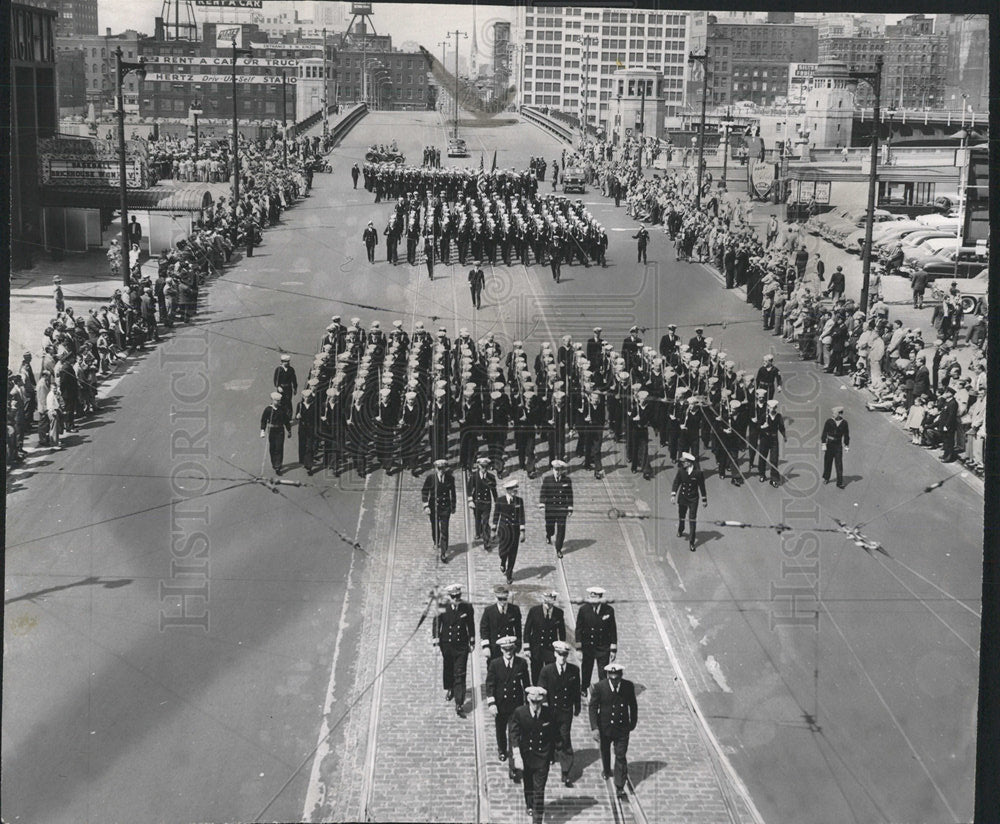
(392,400)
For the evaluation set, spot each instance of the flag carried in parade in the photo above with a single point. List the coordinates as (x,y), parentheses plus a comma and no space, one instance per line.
(482,165)
(493,168)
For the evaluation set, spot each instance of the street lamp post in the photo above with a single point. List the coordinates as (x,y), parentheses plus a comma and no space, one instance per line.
(326,107)
(703,59)
(236,145)
(122,69)
(642,124)
(962,136)
(456,33)
(284,122)
(873,79)
(727,125)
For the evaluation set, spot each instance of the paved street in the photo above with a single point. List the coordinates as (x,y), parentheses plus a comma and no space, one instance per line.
(783,676)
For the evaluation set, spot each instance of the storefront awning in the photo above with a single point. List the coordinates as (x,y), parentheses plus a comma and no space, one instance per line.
(191,197)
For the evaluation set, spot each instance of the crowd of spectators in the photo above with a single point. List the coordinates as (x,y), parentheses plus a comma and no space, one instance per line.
(79,350)
(806,305)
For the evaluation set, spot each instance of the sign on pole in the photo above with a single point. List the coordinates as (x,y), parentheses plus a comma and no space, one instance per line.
(231,4)
(225,35)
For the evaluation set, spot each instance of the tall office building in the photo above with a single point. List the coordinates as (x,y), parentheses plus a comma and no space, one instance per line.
(915,62)
(571,53)
(967,70)
(74,17)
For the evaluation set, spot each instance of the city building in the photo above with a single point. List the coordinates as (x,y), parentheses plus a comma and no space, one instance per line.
(501,57)
(369,68)
(638,100)
(967,70)
(71,82)
(99,67)
(33,115)
(571,55)
(306,20)
(75,17)
(750,61)
(915,62)
(180,72)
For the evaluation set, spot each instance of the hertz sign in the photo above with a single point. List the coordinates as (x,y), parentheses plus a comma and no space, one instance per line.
(32,38)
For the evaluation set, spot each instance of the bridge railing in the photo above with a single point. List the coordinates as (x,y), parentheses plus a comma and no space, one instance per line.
(347,119)
(552,126)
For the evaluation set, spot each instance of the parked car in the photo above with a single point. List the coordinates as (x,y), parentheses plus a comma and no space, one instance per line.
(889,239)
(837,225)
(896,229)
(972,293)
(937,220)
(574,180)
(457,148)
(925,247)
(971,260)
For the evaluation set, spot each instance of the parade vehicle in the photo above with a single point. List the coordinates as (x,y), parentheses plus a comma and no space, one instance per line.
(574,180)
(381,154)
(457,148)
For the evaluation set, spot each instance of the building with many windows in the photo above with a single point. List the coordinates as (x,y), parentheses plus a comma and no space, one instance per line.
(74,17)
(967,69)
(750,61)
(502,56)
(99,67)
(571,54)
(915,62)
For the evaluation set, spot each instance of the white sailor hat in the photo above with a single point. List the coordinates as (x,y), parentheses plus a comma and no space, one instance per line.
(453,589)
(442,332)
(614,667)
(558,395)
(559,464)
(418,325)
(687,456)
(331,392)
(355,321)
(440,462)
(385,390)
(410,396)
(772,404)
(463,331)
(595,592)
(439,393)
(335,318)
(398,324)
(561,647)
(286,358)
(376,324)
(510,485)
(769,357)
(734,404)
(275,396)
(307,393)
(535,693)
(331,327)
(642,395)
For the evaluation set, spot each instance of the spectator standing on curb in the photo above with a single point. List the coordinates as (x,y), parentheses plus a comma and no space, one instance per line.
(837,284)
(918,283)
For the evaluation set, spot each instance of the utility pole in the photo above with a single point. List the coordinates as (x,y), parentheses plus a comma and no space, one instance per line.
(236,146)
(703,59)
(442,44)
(326,108)
(873,79)
(284,123)
(122,69)
(642,124)
(456,34)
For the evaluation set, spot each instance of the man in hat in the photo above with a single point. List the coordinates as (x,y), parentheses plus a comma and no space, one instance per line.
(837,284)
(770,428)
(836,438)
(506,681)
(481,492)
(561,682)
(947,423)
(454,633)
(272,420)
(286,383)
(412,422)
(769,377)
(556,500)
(544,625)
(698,345)
(440,415)
(370,237)
(532,737)
(596,634)
(614,713)
(498,621)
(308,419)
(508,527)
(477,280)
(438,497)
(642,241)
(689,484)
(639,421)
(58,294)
